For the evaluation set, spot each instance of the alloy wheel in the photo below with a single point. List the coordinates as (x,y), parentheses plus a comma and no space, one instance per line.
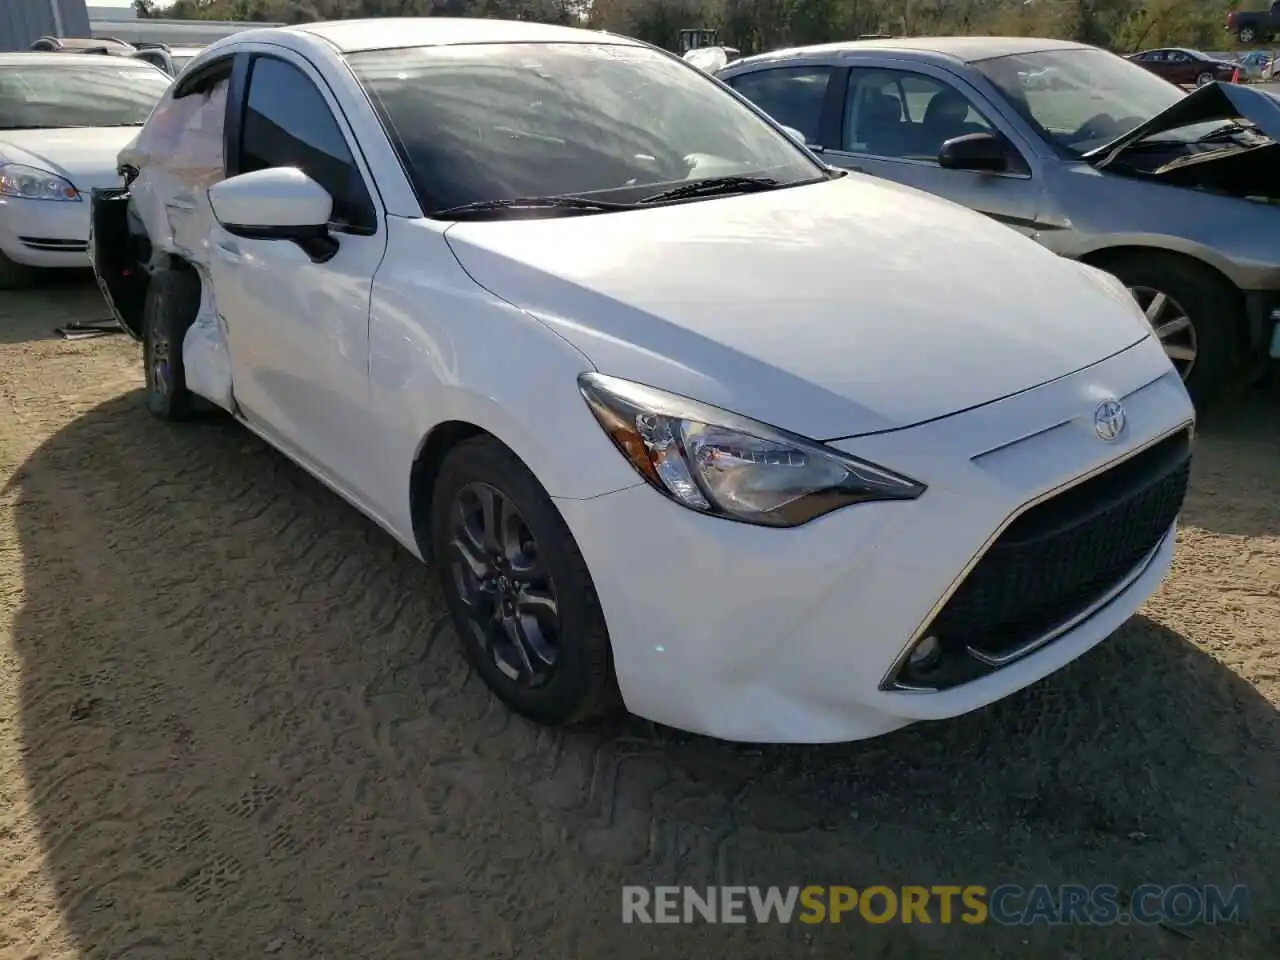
(1172,325)
(1204,79)
(504,585)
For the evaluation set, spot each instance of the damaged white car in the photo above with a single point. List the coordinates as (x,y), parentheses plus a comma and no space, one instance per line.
(683,417)
(1176,194)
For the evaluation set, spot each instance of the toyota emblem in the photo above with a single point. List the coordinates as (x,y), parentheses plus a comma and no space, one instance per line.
(1109,420)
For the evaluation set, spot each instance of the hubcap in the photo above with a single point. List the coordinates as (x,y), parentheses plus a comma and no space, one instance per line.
(1203,79)
(1171,324)
(505,587)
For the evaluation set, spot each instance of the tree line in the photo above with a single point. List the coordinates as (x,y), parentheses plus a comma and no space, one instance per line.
(757,25)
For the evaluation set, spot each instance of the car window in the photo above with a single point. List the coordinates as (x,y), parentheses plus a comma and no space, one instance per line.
(288,123)
(1098,96)
(791,95)
(185,134)
(475,123)
(1180,58)
(893,113)
(80,92)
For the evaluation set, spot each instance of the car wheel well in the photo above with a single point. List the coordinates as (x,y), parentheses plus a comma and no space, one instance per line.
(1110,257)
(426,468)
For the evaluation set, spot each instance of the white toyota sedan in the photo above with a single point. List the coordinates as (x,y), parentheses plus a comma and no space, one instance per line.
(63,120)
(684,418)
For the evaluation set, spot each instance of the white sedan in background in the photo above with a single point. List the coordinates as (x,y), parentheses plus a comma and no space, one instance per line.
(681,415)
(63,120)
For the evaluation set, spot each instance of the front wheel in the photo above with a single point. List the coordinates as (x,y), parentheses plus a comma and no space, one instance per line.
(172,300)
(1204,79)
(518,590)
(1195,313)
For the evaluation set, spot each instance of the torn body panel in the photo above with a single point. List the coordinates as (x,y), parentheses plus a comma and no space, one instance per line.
(164,215)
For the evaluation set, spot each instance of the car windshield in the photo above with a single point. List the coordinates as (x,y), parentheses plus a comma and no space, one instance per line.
(1082,99)
(480,123)
(75,93)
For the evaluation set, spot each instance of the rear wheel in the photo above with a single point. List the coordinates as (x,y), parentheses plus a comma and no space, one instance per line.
(1197,316)
(173,298)
(15,276)
(1204,78)
(518,589)
(1247,35)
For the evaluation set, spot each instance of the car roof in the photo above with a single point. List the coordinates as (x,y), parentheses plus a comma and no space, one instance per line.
(27,58)
(964,49)
(386,33)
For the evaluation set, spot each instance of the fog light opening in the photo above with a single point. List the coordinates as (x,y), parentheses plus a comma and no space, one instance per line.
(926,655)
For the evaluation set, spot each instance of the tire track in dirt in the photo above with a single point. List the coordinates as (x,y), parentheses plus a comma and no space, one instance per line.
(234,721)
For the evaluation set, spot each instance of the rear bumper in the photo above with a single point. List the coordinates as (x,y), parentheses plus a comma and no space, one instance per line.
(45,233)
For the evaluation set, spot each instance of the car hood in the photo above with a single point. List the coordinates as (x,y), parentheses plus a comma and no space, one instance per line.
(84,155)
(834,309)
(1213,101)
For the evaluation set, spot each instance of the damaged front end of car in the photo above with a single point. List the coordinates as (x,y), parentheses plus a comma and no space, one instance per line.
(1237,155)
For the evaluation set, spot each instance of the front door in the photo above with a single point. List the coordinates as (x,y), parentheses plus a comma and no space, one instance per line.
(896,120)
(298,331)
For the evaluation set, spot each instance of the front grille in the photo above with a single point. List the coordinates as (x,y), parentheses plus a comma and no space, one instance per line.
(59,246)
(1064,555)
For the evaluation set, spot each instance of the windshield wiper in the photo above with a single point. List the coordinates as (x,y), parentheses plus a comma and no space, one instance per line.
(495,209)
(714,187)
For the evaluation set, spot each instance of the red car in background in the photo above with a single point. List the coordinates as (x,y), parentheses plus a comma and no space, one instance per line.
(1181,66)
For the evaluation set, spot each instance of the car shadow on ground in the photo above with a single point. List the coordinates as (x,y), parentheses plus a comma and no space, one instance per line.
(246,729)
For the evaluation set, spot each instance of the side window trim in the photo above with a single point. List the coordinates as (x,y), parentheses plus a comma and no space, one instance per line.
(211,71)
(237,106)
(994,117)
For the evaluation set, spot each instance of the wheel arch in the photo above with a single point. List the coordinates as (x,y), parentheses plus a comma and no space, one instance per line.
(1102,257)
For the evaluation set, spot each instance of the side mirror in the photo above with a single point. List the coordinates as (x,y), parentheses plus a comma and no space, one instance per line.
(279,203)
(984,152)
(799,138)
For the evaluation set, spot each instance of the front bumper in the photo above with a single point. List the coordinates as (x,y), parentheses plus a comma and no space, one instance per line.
(45,233)
(768,635)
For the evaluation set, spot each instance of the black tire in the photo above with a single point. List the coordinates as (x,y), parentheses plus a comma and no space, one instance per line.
(580,684)
(172,301)
(15,276)
(1204,79)
(1247,35)
(1212,305)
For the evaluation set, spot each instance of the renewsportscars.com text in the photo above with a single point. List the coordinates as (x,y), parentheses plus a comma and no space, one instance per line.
(1007,904)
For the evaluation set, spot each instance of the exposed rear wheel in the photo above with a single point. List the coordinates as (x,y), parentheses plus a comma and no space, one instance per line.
(173,299)
(1197,316)
(518,590)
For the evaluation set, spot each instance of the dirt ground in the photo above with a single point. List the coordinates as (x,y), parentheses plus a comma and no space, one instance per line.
(233,724)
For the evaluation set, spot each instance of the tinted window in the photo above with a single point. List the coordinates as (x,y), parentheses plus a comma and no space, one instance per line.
(890,113)
(480,122)
(79,92)
(287,123)
(791,95)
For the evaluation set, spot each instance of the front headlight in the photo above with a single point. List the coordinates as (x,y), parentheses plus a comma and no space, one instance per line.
(31,183)
(717,462)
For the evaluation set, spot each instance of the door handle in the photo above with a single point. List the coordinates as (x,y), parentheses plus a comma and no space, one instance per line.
(229,250)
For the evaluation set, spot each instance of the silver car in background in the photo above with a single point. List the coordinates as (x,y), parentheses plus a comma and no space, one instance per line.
(1090,155)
